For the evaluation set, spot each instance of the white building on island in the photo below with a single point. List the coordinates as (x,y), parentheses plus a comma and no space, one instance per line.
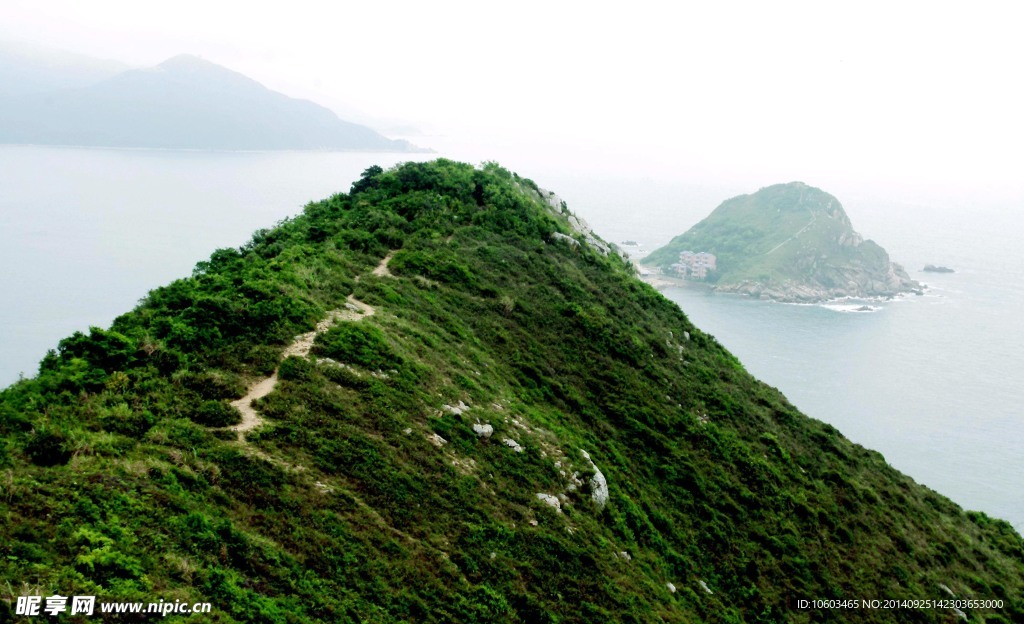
(695,265)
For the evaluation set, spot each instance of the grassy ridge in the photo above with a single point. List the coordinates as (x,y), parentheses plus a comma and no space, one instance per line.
(369,496)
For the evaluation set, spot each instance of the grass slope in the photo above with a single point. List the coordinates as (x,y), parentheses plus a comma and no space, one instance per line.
(346,506)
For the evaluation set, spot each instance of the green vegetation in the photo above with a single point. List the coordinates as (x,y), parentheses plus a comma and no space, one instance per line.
(788,242)
(359,344)
(372,493)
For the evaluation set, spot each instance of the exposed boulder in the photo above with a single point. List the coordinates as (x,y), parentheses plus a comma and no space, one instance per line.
(512,444)
(598,483)
(551,501)
(483,430)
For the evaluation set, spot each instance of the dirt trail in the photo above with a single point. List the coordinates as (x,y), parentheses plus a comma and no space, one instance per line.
(354,310)
(382,268)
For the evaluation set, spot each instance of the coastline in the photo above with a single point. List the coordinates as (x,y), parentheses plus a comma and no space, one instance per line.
(661,282)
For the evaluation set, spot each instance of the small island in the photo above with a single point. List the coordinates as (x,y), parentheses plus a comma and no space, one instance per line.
(787,242)
(931,268)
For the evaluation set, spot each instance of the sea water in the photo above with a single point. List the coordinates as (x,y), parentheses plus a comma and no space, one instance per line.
(935,383)
(86,233)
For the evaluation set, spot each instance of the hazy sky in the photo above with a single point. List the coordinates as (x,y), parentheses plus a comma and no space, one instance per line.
(928,92)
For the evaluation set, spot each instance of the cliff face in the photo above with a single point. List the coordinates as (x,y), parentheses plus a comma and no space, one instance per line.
(789,242)
(470,411)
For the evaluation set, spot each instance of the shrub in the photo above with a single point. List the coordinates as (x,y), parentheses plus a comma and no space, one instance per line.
(295,368)
(122,419)
(212,384)
(359,344)
(48,448)
(216,414)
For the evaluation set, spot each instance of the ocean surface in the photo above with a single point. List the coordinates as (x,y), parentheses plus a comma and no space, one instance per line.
(86,233)
(935,383)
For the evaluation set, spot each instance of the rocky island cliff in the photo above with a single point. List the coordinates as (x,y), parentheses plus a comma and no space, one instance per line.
(787,242)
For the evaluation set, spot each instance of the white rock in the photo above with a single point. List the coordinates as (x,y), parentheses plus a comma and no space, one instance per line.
(624,555)
(598,483)
(456,409)
(705,587)
(671,587)
(437,440)
(551,501)
(553,200)
(483,430)
(598,244)
(579,225)
(512,444)
(558,236)
(407,430)
(599,489)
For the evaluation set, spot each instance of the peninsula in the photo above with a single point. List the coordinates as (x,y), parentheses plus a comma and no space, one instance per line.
(786,242)
(441,397)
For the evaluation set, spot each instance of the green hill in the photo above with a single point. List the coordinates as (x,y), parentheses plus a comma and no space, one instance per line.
(485,418)
(788,242)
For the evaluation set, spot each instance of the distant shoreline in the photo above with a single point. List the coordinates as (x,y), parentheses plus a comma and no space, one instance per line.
(660,282)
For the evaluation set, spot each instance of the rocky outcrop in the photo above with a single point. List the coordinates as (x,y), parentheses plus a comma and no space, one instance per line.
(550,500)
(829,284)
(558,207)
(483,430)
(512,444)
(598,483)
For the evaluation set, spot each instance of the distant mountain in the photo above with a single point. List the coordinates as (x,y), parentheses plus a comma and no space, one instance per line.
(788,242)
(184,102)
(27,68)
